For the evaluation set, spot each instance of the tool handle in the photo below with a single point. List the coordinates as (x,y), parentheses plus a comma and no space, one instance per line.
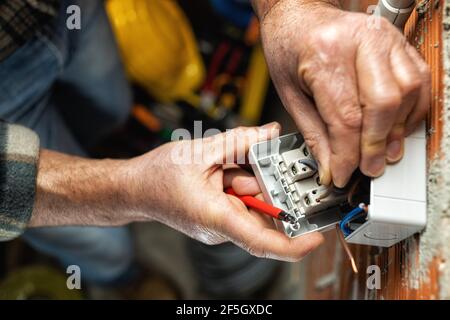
(256,204)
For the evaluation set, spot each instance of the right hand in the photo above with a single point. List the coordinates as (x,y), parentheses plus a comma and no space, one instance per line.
(190,196)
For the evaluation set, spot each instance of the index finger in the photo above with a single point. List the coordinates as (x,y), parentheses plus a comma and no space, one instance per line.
(335,92)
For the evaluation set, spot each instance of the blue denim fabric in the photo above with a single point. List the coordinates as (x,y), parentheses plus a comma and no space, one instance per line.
(69,86)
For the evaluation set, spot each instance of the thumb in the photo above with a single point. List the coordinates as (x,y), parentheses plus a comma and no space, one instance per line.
(251,233)
(233,145)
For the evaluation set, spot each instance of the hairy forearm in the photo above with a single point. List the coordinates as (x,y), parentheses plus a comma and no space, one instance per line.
(262,7)
(77,191)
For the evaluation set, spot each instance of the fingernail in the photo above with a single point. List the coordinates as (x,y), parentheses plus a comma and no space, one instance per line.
(321,177)
(376,166)
(394,150)
(340,182)
(324,176)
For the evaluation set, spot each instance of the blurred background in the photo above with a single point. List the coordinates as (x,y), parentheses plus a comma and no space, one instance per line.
(187,61)
(202,61)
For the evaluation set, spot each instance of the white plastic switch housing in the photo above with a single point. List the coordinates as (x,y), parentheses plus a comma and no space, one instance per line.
(397,206)
(398,201)
(288,176)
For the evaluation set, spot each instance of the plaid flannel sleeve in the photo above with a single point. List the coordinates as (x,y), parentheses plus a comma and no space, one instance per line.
(22,19)
(19,153)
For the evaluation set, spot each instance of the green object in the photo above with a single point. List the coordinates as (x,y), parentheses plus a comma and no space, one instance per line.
(37,283)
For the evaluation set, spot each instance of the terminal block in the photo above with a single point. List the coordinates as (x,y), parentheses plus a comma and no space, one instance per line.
(288,173)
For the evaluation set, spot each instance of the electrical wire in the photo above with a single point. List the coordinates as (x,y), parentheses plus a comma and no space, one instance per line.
(312,164)
(353,189)
(343,231)
(346,249)
(352,215)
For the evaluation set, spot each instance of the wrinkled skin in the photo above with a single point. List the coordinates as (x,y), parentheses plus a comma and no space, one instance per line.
(191,198)
(354,89)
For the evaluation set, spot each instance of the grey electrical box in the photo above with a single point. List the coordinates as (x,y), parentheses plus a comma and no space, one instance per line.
(289,177)
(395,202)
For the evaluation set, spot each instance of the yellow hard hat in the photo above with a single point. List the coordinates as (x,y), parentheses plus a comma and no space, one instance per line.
(158,47)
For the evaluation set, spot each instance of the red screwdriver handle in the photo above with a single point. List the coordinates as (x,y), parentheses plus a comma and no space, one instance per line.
(256,204)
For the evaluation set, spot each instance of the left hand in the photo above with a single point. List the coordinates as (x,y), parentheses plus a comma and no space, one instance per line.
(355,90)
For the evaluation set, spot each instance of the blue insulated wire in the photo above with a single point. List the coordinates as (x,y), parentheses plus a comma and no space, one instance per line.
(348,217)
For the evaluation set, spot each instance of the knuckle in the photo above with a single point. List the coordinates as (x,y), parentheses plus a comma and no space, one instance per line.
(425,70)
(413,84)
(386,102)
(256,250)
(308,72)
(399,126)
(351,116)
(423,66)
(397,130)
(426,77)
(208,141)
(324,38)
(320,55)
(312,140)
(373,144)
(238,131)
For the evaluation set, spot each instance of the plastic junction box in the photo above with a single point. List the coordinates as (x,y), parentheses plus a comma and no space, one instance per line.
(288,176)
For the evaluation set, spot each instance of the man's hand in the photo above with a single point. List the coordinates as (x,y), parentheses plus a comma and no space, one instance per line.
(190,197)
(355,90)
(180,184)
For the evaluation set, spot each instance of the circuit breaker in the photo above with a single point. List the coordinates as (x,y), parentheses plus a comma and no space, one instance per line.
(388,209)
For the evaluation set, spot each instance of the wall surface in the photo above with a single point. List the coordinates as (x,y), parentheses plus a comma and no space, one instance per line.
(418,267)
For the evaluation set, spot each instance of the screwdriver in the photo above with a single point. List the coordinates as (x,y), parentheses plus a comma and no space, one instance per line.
(262,207)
